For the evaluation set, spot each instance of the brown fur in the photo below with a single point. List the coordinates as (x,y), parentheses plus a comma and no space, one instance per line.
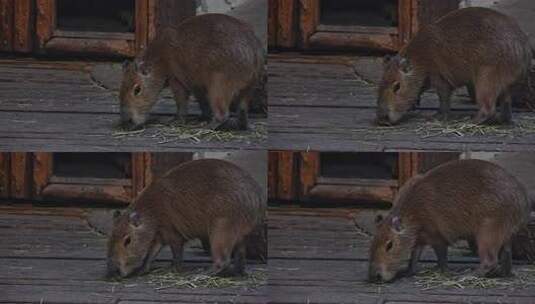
(474,47)
(215,57)
(211,200)
(466,199)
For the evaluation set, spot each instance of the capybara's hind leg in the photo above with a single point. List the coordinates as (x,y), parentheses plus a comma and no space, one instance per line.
(441,251)
(487,94)
(222,242)
(506,260)
(238,257)
(181,99)
(506,108)
(177,248)
(489,241)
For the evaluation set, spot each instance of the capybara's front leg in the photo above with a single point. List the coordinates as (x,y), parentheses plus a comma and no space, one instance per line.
(444,91)
(413,262)
(152,254)
(181,99)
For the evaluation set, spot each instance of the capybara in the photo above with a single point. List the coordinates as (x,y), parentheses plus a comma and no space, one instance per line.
(475,47)
(208,199)
(459,200)
(215,57)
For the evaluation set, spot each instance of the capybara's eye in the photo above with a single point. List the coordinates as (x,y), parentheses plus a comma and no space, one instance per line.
(397,87)
(137,90)
(389,246)
(127,241)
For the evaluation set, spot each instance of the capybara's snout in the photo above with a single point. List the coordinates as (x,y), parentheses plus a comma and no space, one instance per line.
(131,121)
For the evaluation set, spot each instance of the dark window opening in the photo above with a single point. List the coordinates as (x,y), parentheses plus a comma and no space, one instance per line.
(359,165)
(383,13)
(93,165)
(96,15)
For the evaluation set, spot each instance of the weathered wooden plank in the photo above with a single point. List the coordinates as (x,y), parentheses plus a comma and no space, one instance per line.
(346,129)
(71,132)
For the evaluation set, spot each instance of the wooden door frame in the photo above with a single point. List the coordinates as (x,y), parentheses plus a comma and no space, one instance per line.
(314,187)
(94,189)
(119,44)
(314,35)
(16,25)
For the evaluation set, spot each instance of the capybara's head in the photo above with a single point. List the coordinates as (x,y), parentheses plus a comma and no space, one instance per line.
(398,91)
(139,92)
(129,244)
(390,247)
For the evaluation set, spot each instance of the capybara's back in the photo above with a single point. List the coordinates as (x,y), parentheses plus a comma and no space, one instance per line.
(194,196)
(458,197)
(215,57)
(476,47)
(471,200)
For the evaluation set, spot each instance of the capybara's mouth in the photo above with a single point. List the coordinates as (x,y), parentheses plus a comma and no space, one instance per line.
(130,125)
(383,122)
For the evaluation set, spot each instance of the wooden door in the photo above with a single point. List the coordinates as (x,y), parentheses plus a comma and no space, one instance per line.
(67,26)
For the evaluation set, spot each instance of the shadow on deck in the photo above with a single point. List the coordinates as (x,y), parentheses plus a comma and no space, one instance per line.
(50,255)
(323,103)
(317,256)
(73,106)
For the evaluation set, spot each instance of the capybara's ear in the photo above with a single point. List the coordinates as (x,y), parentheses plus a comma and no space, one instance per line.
(396,224)
(378,219)
(405,65)
(135,219)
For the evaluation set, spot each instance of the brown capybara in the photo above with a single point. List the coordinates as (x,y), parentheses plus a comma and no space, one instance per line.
(208,199)
(475,47)
(459,200)
(215,57)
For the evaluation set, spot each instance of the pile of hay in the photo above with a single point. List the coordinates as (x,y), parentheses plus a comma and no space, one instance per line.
(164,278)
(195,133)
(524,277)
(465,127)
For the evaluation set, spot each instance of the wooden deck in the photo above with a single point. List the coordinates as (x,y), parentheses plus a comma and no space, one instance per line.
(51,255)
(70,106)
(322,103)
(317,256)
